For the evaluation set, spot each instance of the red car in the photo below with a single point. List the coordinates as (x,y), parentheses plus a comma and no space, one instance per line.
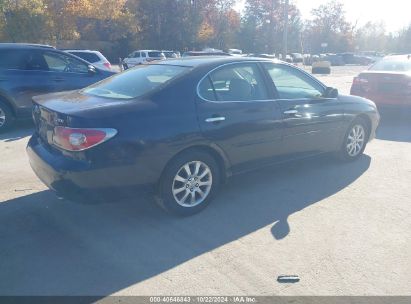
(387,82)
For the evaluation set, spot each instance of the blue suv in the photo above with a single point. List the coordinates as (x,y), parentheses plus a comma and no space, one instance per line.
(27,70)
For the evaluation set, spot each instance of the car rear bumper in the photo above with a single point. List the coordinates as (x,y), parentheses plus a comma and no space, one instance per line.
(69,177)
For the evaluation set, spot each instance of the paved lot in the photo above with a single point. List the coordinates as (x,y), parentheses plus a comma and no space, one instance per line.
(343,228)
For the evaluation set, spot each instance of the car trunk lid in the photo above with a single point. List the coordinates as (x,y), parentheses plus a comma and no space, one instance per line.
(64,109)
(388,84)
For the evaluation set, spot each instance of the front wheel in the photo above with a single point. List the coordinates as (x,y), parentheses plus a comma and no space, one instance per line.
(355,140)
(189,183)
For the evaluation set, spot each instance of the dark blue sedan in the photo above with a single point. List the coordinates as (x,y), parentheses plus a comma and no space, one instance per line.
(182,126)
(27,70)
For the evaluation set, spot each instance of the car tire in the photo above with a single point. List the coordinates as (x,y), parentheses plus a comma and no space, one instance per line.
(189,183)
(6,117)
(355,140)
(125,66)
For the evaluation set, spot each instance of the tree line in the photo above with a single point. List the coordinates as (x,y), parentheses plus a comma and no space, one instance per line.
(192,25)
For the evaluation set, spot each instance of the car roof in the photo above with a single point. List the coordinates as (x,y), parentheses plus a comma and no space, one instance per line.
(25,46)
(211,60)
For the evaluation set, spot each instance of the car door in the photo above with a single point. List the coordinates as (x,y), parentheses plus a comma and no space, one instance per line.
(236,113)
(134,59)
(67,72)
(312,123)
(23,74)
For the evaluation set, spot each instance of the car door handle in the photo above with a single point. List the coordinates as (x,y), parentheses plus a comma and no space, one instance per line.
(58,79)
(215,119)
(290,112)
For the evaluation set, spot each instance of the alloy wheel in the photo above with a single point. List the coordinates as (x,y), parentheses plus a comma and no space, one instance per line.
(192,184)
(355,140)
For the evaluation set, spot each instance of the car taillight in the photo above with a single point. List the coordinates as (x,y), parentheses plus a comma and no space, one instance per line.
(73,139)
(107,65)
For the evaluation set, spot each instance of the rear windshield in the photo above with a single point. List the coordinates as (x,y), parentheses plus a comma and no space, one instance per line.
(89,57)
(155,54)
(135,82)
(391,65)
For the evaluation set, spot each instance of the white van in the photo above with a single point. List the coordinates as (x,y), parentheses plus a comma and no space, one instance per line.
(141,57)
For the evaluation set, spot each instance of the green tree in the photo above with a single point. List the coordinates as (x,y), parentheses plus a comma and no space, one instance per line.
(330,26)
(263,25)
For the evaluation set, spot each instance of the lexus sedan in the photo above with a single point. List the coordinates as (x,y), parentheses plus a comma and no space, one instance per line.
(182,126)
(387,82)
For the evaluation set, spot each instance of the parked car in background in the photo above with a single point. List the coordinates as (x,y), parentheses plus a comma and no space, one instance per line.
(171,54)
(182,127)
(141,57)
(288,58)
(235,52)
(351,58)
(267,56)
(375,56)
(335,60)
(94,57)
(27,70)
(204,53)
(297,57)
(387,82)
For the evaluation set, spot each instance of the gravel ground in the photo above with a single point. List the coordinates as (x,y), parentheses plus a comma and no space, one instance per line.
(344,229)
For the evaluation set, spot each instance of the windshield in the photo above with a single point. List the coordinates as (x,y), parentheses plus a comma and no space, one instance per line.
(135,82)
(392,65)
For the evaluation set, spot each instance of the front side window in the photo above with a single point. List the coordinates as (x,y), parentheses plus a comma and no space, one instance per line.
(135,82)
(291,83)
(234,82)
(61,63)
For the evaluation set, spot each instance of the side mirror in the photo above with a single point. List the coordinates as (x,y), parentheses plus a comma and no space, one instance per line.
(331,92)
(91,69)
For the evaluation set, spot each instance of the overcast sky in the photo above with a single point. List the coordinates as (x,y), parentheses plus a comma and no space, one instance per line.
(396,15)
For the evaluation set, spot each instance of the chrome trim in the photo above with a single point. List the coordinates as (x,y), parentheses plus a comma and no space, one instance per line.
(215,119)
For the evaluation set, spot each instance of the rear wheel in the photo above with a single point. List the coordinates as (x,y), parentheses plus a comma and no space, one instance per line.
(355,140)
(125,66)
(6,117)
(189,183)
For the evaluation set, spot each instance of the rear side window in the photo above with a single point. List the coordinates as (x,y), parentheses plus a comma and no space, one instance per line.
(11,59)
(89,57)
(234,82)
(135,82)
(22,60)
